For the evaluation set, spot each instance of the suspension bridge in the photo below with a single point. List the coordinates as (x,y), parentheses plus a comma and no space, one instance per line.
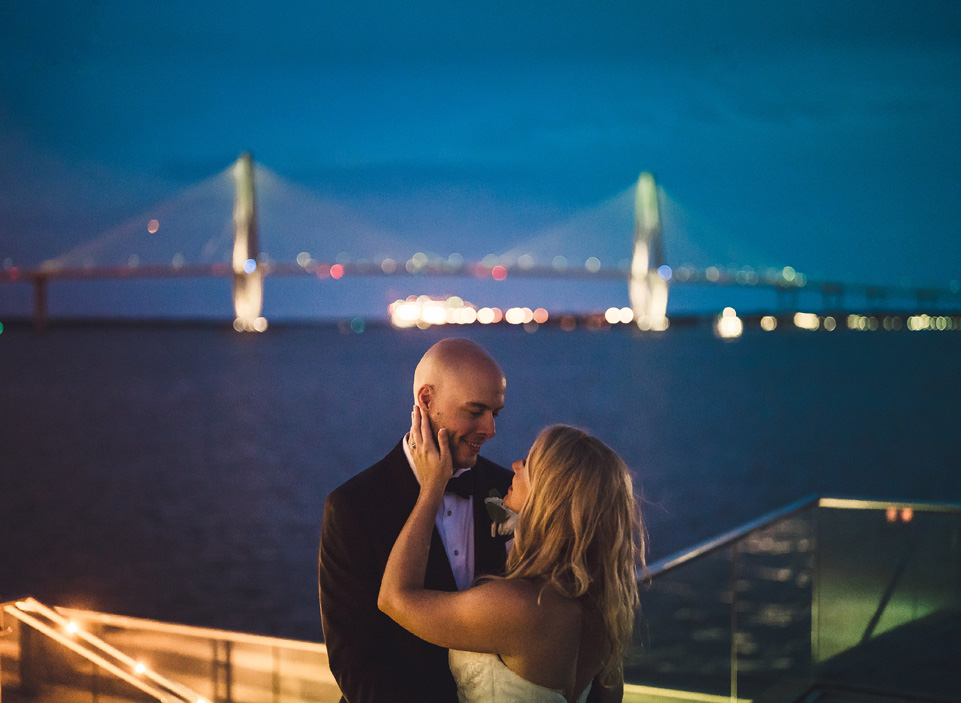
(193,235)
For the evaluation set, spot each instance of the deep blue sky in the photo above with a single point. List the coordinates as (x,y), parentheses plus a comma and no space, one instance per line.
(824,135)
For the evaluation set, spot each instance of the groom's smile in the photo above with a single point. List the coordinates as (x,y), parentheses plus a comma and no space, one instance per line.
(467,404)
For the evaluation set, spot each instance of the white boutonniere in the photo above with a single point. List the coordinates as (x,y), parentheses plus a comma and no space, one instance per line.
(502,518)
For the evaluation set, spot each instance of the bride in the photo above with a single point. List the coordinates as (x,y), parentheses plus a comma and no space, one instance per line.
(561,617)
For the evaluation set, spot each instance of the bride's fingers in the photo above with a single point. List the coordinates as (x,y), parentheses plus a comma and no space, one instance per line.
(424,427)
(444,447)
(415,426)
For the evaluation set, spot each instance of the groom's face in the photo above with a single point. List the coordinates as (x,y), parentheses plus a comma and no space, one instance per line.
(467,404)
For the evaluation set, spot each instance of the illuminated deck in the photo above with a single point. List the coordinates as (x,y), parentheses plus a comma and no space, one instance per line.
(824,600)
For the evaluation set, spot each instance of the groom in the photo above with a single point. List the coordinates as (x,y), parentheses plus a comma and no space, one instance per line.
(373,659)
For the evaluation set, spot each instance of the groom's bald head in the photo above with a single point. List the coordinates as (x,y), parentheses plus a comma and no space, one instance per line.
(462,388)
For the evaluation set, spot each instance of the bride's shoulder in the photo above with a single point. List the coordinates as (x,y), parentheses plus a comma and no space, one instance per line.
(538,600)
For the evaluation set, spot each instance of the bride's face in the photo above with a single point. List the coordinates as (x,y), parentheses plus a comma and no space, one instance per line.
(520,487)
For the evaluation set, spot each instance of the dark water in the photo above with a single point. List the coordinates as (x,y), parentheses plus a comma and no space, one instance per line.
(179,473)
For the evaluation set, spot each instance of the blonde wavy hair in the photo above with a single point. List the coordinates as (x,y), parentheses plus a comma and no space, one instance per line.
(581,532)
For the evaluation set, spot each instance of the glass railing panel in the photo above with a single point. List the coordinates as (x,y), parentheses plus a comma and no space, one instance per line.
(734,621)
(881,568)
(888,588)
(222,665)
(682,639)
(773,586)
(34,668)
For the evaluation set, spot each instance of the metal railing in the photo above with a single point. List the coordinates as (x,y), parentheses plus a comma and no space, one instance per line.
(805,594)
(69,654)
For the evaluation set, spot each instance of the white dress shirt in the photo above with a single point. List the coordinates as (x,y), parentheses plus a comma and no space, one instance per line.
(455,523)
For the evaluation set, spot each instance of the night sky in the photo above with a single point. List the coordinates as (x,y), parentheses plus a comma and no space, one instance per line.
(821,135)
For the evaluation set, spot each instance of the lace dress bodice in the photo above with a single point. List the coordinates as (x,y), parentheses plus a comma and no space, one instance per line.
(484,678)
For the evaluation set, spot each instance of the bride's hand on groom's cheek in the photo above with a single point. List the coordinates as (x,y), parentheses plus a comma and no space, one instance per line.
(431,457)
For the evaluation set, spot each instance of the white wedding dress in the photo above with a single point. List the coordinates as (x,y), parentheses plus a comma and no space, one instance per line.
(484,678)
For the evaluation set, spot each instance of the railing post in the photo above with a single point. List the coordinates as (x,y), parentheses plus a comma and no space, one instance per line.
(734,577)
(222,671)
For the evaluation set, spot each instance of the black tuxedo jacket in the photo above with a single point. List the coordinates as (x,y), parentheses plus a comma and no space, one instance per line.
(373,659)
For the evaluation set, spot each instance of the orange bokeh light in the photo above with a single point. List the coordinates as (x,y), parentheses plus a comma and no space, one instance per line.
(153,226)
(336,271)
(499,273)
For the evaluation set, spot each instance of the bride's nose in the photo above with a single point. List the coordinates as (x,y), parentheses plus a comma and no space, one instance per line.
(517,465)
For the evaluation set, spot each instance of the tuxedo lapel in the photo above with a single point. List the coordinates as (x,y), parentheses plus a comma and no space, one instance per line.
(439,575)
(490,553)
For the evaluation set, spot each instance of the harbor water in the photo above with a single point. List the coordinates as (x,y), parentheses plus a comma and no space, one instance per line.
(179,472)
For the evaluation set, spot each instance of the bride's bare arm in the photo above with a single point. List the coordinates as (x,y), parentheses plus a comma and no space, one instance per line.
(407,564)
(485,619)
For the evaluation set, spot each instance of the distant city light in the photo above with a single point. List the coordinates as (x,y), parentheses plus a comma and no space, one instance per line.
(515,316)
(525,261)
(540,316)
(830,323)
(788,274)
(337,271)
(303,258)
(559,263)
(593,264)
(615,315)
(250,265)
(807,321)
(712,274)
(665,272)
(728,325)
(768,323)
(388,266)
(153,226)
(498,273)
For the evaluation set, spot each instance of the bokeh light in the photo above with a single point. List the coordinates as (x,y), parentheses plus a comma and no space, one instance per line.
(728,325)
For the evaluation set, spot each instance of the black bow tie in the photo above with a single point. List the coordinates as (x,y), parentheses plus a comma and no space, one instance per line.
(462,485)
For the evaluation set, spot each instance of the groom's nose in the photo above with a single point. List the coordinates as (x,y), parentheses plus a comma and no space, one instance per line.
(487,427)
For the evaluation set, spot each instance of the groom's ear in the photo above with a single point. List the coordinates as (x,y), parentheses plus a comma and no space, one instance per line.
(424,395)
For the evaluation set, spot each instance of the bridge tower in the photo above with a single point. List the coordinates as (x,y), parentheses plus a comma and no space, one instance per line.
(647,290)
(248,288)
